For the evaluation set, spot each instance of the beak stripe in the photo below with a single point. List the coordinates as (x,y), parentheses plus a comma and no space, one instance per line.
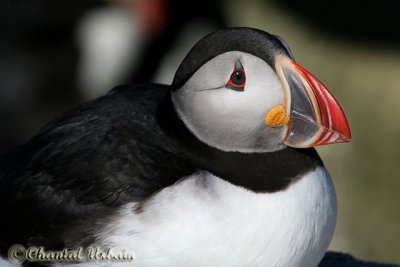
(316,116)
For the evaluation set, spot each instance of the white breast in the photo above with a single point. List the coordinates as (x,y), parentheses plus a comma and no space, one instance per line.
(206,221)
(7,263)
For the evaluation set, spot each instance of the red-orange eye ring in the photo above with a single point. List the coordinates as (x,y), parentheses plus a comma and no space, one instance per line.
(237,80)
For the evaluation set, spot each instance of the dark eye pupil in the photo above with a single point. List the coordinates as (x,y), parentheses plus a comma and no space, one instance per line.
(238,77)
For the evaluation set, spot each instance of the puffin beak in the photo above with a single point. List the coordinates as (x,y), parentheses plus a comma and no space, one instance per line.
(315,117)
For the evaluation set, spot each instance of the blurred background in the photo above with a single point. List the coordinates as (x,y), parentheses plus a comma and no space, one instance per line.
(57,54)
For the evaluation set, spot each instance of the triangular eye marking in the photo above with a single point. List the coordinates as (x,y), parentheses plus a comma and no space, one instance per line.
(238,65)
(237,80)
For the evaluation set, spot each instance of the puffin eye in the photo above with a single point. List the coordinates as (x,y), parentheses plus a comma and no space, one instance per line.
(237,79)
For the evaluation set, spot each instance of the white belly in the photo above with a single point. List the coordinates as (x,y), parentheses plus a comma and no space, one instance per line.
(206,221)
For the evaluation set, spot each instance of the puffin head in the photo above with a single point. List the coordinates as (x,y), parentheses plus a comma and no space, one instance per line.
(241,90)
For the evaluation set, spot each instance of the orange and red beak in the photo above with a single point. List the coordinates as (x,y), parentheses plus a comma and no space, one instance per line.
(316,118)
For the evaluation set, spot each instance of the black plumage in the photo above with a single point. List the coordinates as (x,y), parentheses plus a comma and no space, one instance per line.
(122,147)
(248,40)
(59,188)
(84,164)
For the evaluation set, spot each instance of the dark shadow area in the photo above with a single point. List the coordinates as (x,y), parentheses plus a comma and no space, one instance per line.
(335,259)
(38,64)
(156,47)
(40,57)
(364,21)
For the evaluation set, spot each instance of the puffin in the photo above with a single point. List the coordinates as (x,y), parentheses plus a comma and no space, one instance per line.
(216,169)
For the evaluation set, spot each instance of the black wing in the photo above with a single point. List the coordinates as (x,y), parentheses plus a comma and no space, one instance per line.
(80,167)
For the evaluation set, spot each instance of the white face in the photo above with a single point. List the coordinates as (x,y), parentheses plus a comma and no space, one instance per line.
(228,119)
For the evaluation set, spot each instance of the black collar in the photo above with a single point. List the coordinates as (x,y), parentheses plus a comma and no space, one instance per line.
(259,172)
